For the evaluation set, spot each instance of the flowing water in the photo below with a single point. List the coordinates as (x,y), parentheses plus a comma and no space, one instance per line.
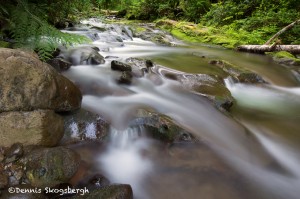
(253,153)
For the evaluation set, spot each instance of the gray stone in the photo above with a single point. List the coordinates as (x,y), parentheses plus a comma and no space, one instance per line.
(51,166)
(40,127)
(27,83)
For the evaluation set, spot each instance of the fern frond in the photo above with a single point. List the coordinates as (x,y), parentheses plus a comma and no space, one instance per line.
(34,32)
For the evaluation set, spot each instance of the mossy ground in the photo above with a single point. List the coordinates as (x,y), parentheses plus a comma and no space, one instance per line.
(225,36)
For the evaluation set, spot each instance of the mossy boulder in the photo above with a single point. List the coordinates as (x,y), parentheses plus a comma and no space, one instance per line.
(27,84)
(39,127)
(286,58)
(48,167)
(241,74)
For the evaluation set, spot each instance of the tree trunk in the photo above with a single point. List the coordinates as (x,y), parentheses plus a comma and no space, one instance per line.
(294,49)
(288,27)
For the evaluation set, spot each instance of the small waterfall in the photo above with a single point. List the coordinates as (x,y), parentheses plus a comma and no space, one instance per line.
(125,160)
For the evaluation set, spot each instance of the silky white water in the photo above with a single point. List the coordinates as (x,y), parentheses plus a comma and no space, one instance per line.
(258,143)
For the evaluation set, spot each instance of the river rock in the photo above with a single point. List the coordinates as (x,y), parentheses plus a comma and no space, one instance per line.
(59,64)
(27,83)
(125,78)
(14,153)
(40,127)
(120,66)
(117,191)
(241,74)
(51,166)
(161,127)
(83,55)
(84,126)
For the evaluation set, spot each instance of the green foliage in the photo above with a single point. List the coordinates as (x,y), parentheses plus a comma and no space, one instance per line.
(29,30)
(195,9)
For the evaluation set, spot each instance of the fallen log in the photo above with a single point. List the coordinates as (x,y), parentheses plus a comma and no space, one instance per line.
(294,49)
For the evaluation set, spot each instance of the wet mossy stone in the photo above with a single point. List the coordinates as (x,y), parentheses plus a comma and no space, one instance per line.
(59,64)
(241,74)
(125,78)
(286,58)
(48,167)
(120,66)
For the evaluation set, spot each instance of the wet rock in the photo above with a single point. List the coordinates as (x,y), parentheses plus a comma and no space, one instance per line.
(59,64)
(149,64)
(241,74)
(94,182)
(122,13)
(138,65)
(13,153)
(122,191)
(84,55)
(99,180)
(101,29)
(51,166)
(111,57)
(63,24)
(84,126)
(284,58)
(161,127)
(27,83)
(148,32)
(40,127)
(126,78)
(208,86)
(119,66)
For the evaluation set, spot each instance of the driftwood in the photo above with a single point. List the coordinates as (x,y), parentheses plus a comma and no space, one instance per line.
(294,49)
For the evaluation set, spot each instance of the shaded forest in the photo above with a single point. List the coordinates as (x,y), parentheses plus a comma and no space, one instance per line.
(226,22)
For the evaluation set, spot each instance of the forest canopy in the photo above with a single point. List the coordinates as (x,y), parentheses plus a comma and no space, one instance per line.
(258,20)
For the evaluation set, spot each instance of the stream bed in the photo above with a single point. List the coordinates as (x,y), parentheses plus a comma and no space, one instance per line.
(250,151)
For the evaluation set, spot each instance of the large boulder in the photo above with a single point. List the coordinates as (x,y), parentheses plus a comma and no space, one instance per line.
(40,127)
(51,166)
(27,84)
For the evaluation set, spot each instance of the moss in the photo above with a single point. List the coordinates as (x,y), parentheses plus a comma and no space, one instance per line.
(284,57)
(4,44)
(180,35)
(226,36)
(283,54)
(139,29)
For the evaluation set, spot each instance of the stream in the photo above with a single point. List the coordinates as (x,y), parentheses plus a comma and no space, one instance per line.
(250,152)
